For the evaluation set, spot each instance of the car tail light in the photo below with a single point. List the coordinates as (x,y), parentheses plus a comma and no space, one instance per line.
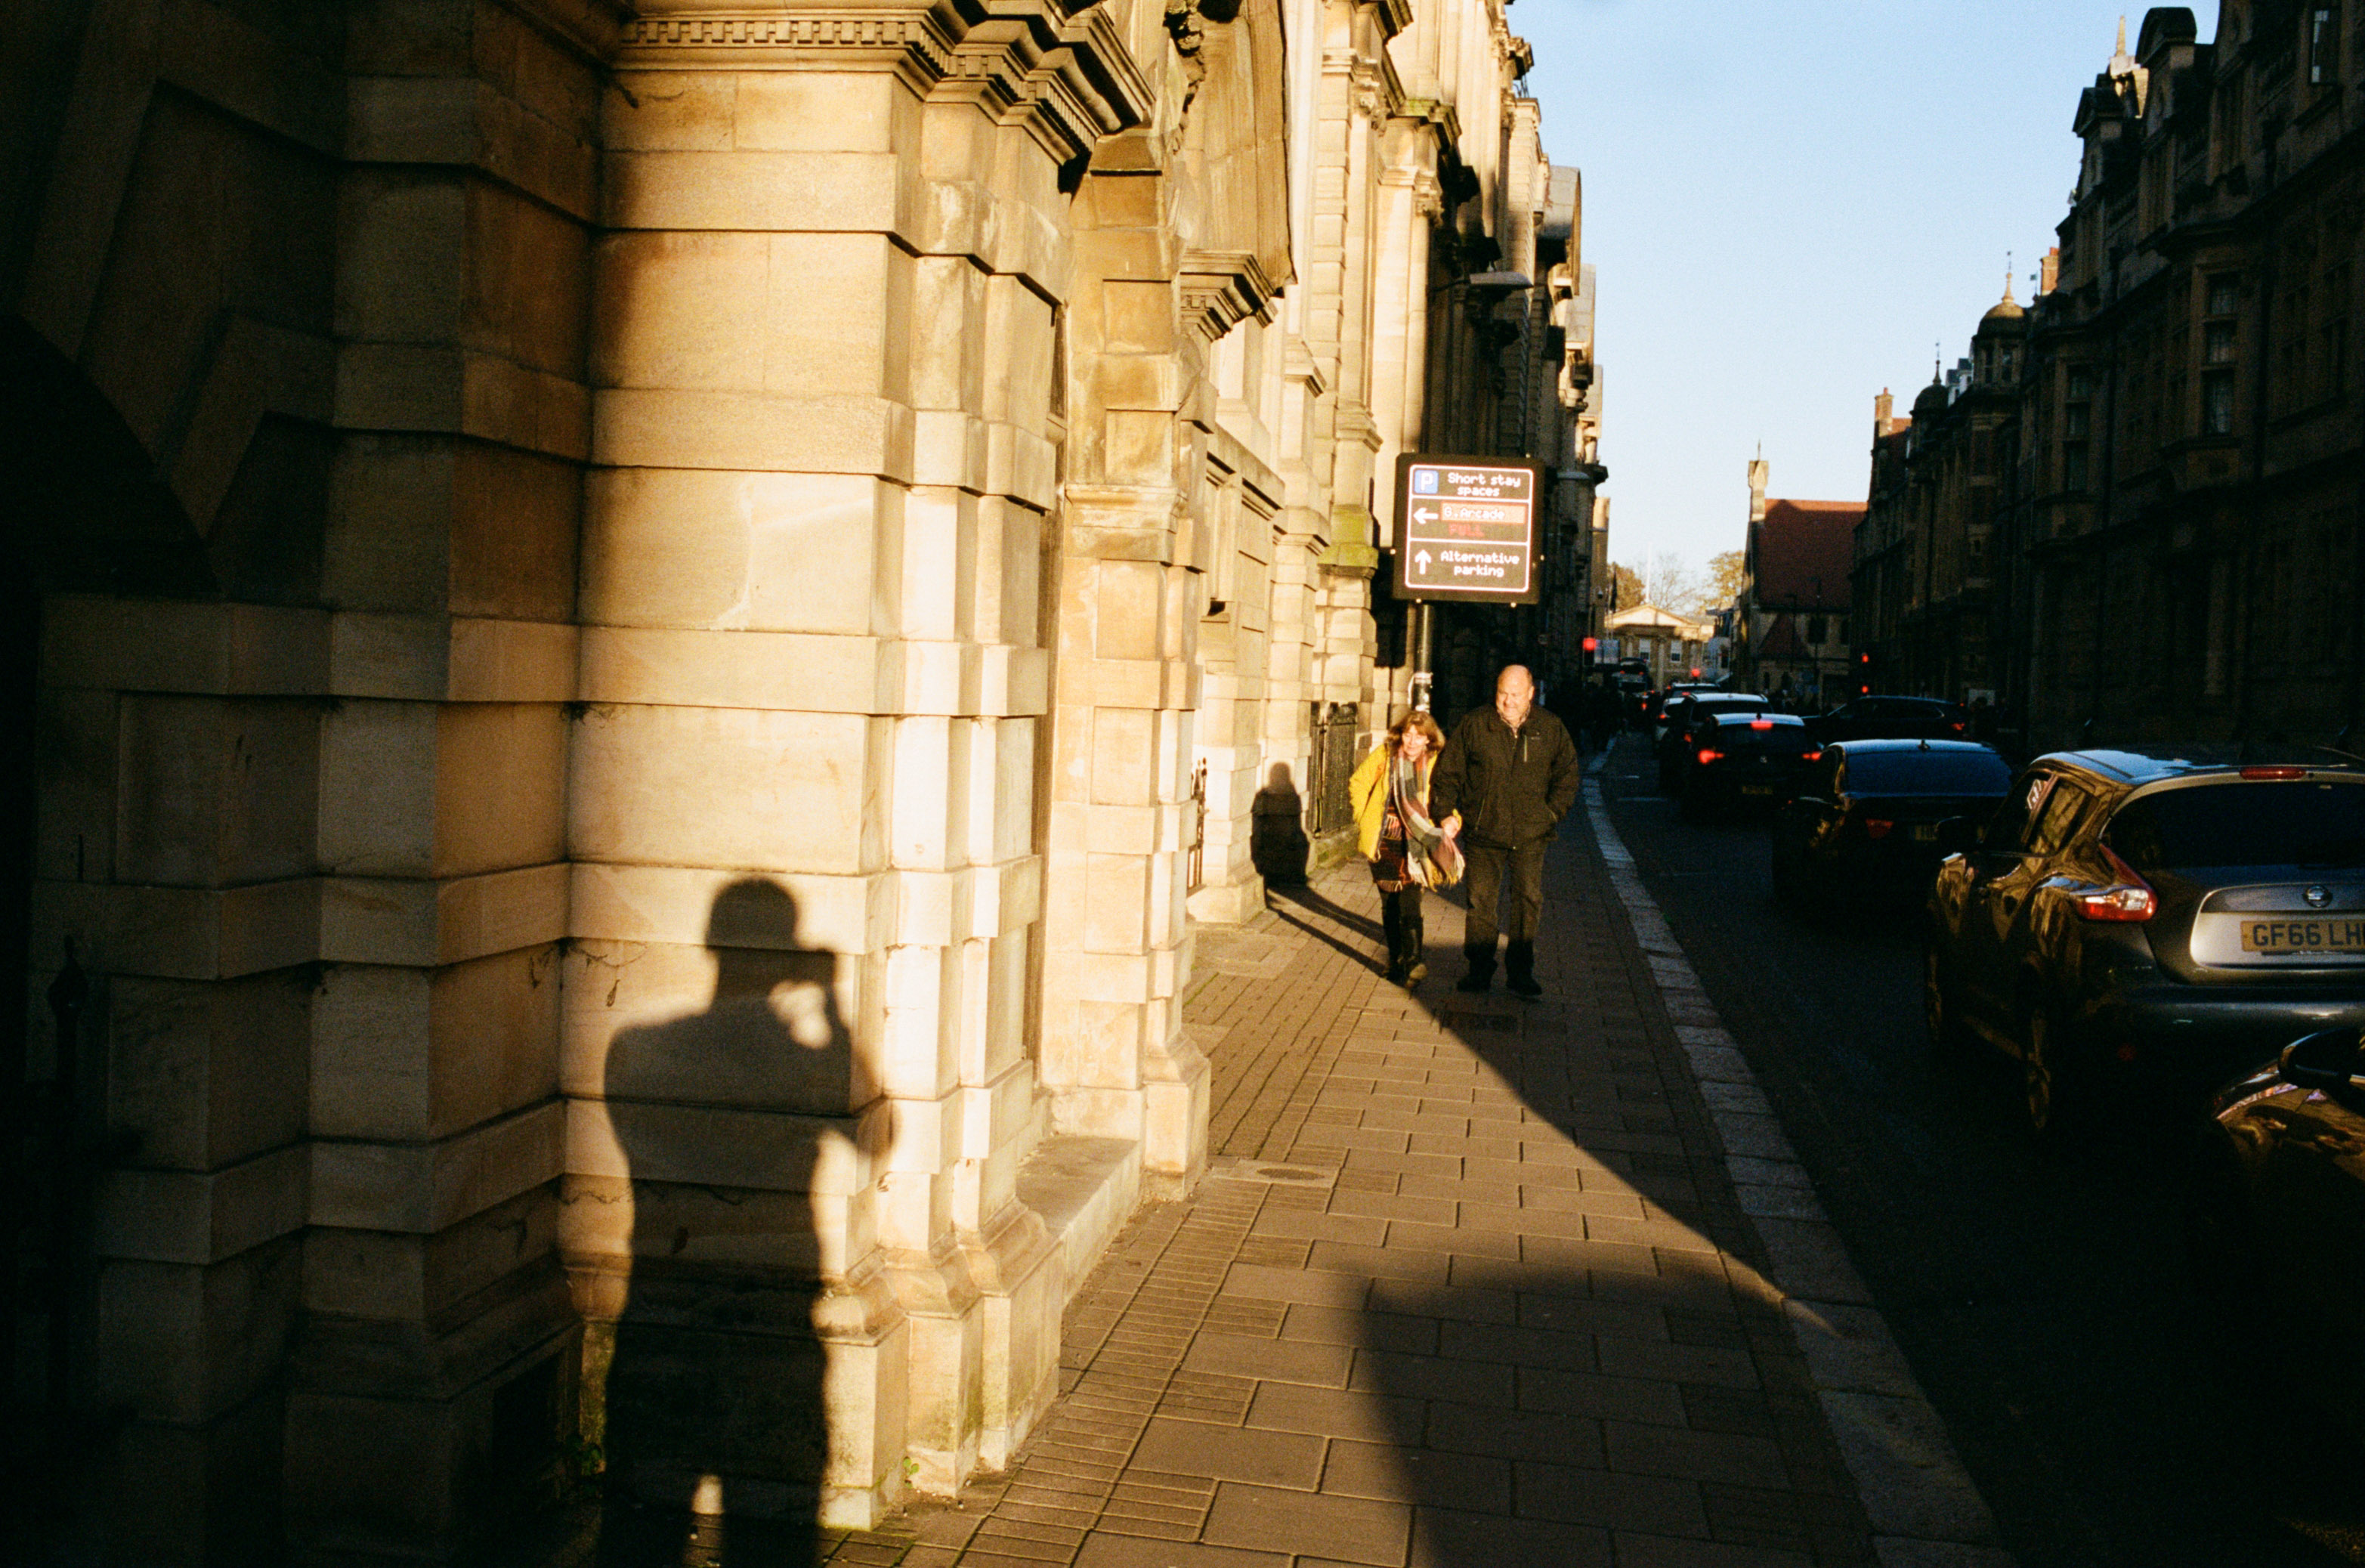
(1878,827)
(1761,723)
(1958,726)
(2274,773)
(1708,753)
(2130,899)
(1815,755)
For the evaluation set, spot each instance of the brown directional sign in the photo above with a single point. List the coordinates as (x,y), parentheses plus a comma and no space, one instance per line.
(1467,528)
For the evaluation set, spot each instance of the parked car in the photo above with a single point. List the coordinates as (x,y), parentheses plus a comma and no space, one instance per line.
(1863,825)
(2276,1212)
(1744,759)
(1676,739)
(2150,914)
(1894,718)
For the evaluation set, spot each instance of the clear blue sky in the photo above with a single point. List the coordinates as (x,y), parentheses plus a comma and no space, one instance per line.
(1788,202)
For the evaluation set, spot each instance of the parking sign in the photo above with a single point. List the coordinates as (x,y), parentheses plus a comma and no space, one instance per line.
(1467,528)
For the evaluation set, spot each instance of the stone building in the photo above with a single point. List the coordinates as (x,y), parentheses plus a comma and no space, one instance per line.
(1927,556)
(636,620)
(1790,618)
(2175,531)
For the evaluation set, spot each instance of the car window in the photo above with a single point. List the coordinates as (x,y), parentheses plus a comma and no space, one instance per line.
(2008,828)
(1929,773)
(2243,822)
(2064,809)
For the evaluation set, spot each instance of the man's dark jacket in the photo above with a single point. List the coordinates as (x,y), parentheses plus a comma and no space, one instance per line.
(1510,789)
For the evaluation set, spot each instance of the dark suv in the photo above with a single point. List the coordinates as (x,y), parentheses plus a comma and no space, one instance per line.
(1895,717)
(2160,914)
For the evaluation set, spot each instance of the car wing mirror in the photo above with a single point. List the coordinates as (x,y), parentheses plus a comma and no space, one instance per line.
(2327,1059)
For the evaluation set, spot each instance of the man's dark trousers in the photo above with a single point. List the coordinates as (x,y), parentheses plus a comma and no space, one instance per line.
(1497,876)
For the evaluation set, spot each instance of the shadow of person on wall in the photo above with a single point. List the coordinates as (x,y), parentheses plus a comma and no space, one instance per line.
(714,1434)
(1277,843)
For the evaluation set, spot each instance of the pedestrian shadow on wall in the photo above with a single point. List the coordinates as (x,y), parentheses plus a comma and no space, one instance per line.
(710,1417)
(1277,843)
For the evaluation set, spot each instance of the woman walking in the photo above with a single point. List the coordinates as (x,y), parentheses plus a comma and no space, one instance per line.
(1406,850)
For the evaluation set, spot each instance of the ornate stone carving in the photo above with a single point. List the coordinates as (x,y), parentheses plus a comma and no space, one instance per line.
(1223,288)
(1067,77)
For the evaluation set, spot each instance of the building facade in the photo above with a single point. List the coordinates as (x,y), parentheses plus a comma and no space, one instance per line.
(1791,619)
(640,631)
(2173,521)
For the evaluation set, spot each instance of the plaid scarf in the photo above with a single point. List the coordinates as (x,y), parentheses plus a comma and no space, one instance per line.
(1429,856)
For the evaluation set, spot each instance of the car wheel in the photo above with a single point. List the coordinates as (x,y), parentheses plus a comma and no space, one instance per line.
(2052,1098)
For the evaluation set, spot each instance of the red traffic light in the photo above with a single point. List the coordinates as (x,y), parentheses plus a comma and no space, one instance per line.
(1592,644)
(1695,672)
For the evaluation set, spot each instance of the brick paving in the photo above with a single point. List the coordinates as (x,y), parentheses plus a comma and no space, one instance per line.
(1468,1285)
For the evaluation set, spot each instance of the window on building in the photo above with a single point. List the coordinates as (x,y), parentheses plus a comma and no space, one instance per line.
(2220,348)
(2323,44)
(2217,402)
(2077,427)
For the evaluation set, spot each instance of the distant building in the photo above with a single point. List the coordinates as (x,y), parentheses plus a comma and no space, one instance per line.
(1790,621)
(1673,645)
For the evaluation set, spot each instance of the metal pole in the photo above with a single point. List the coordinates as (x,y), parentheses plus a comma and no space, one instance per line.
(1423,622)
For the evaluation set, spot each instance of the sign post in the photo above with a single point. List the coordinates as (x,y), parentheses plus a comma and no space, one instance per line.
(1467,532)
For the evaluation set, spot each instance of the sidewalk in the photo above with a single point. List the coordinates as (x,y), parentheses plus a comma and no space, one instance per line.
(1469,1283)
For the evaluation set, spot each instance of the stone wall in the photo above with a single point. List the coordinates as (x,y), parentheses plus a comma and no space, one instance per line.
(631,600)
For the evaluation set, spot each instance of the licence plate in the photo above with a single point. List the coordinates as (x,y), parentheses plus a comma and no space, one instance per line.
(1758,789)
(1925,832)
(2342,935)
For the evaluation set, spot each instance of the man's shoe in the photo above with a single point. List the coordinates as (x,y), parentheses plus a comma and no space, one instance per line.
(1475,982)
(1525,985)
(1415,975)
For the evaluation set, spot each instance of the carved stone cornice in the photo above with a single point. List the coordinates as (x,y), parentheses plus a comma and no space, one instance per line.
(1058,67)
(1223,288)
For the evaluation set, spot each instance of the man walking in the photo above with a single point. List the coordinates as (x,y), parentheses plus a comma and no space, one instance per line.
(1511,773)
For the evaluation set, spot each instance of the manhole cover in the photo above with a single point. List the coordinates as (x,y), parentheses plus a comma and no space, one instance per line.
(1236,1169)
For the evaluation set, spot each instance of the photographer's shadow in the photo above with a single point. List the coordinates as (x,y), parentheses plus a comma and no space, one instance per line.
(715,1435)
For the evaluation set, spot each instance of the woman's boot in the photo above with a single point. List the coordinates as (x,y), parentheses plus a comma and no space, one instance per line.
(1391,926)
(1415,970)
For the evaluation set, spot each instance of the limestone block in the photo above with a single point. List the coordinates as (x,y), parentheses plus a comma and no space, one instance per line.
(926,794)
(669,111)
(524,407)
(377,779)
(1117,889)
(403,1053)
(377,1276)
(1122,829)
(1006,1001)
(427,924)
(180,1216)
(800,111)
(500,782)
(1125,755)
(727,788)
(834,433)
(402,249)
(775,1232)
(849,192)
(732,669)
(392,521)
(205,1074)
(1094,1113)
(1011,803)
(722,1147)
(184,1343)
(420,1188)
(75,736)
(180,933)
(211,792)
(835,314)
(1007,592)
(738,1027)
(462,120)
(693,548)
(1127,614)
(683,310)
(914,1054)
(940,560)
(945,1374)
(513,661)
(949,363)
(515,520)
(527,291)
(628,904)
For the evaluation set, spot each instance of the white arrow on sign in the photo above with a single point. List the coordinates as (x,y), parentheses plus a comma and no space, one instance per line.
(1421,560)
(1422,514)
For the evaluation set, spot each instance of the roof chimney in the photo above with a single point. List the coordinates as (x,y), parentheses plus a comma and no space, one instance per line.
(1883,409)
